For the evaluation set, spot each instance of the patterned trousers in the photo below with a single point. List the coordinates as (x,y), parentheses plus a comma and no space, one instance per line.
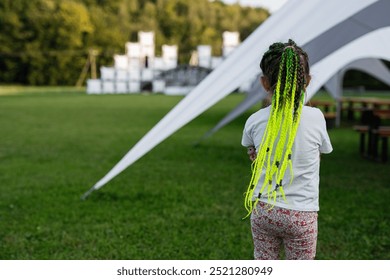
(296,230)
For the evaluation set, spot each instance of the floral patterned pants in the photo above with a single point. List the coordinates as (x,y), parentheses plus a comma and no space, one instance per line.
(296,230)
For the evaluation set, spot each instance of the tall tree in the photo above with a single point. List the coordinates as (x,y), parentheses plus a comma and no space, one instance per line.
(47,41)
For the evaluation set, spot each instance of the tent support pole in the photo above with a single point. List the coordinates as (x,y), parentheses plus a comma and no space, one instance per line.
(84,196)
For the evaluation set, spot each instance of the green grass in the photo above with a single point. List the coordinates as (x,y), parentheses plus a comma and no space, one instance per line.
(177,202)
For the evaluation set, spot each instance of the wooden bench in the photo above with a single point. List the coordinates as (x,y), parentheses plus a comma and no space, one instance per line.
(370,140)
(383,114)
(381,133)
(330,118)
(328,108)
(363,130)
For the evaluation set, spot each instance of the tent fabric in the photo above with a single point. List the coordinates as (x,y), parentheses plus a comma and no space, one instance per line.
(371,18)
(358,54)
(371,66)
(255,95)
(241,64)
(372,45)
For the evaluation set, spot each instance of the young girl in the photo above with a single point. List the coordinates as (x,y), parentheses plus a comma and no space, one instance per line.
(284,142)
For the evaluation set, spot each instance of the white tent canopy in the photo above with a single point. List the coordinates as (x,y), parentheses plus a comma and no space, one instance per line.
(371,18)
(375,44)
(371,66)
(302,20)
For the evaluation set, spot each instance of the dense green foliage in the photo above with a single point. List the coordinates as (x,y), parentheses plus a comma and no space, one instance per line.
(47,41)
(177,202)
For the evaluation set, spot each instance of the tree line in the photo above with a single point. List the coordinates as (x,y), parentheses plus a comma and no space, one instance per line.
(46,42)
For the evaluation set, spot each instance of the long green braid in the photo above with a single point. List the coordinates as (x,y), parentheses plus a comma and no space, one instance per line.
(285,66)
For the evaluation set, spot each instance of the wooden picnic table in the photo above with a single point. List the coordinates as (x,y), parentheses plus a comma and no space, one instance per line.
(383,134)
(372,131)
(373,102)
(383,114)
(326,105)
(379,134)
(360,104)
(328,108)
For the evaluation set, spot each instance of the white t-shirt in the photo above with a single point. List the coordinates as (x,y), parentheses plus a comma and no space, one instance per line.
(311,139)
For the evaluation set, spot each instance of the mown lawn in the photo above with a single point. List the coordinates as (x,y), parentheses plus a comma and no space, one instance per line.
(180,201)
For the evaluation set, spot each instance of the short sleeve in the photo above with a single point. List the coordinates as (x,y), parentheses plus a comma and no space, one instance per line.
(326,145)
(247,139)
(255,127)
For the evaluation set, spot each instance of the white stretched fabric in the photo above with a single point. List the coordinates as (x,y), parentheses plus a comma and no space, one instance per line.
(301,20)
(372,66)
(375,44)
(371,18)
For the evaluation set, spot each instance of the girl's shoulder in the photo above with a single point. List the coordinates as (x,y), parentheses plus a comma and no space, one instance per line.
(260,115)
(312,111)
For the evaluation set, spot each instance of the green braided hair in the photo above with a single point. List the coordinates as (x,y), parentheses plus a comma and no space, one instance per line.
(286,67)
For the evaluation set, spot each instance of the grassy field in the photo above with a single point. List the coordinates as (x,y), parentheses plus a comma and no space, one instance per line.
(177,202)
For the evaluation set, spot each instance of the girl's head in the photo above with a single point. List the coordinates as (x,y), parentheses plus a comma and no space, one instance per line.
(270,65)
(285,69)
